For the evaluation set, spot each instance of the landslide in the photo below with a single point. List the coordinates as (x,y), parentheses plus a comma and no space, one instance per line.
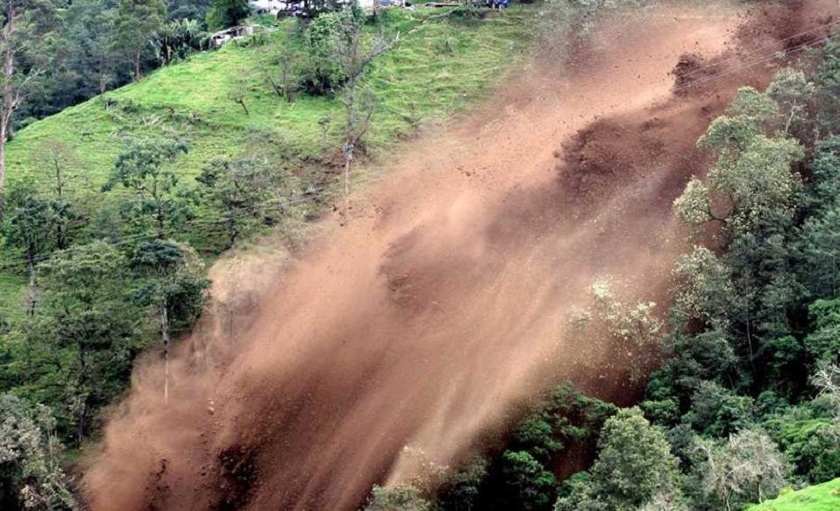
(417,331)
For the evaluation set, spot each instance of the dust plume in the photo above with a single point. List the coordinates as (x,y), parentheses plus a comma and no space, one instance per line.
(422,326)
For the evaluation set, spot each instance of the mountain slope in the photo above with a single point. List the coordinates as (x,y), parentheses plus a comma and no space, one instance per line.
(437,67)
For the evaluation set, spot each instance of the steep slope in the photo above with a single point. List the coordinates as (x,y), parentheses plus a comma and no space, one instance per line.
(437,68)
(418,330)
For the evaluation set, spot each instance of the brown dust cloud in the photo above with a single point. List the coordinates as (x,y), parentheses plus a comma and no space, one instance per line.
(417,331)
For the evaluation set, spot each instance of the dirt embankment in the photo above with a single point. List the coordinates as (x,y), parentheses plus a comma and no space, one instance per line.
(420,328)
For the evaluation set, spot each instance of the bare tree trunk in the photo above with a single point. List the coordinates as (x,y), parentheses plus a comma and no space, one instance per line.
(32,295)
(9,94)
(137,66)
(164,331)
(348,162)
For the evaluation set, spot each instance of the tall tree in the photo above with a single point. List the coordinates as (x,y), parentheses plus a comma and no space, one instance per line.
(240,190)
(355,58)
(30,466)
(634,466)
(174,290)
(146,168)
(228,13)
(137,22)
(20,21)
(86,316)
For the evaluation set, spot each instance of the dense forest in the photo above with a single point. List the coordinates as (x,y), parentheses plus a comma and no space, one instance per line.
(745,404)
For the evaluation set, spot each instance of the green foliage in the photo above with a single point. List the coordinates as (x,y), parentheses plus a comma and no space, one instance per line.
(322,73)
(227,13)
(30,470)
(136,21)
(633,467)
(752,182)
(528,479)
(462,489)
(146,167)
(719,412)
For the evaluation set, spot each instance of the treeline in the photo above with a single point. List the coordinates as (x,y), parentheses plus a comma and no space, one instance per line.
(747,402)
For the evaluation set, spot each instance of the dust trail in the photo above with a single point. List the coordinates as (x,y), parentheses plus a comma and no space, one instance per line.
(421,327)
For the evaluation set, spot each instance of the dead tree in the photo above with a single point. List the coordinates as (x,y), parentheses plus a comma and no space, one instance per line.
(355,57)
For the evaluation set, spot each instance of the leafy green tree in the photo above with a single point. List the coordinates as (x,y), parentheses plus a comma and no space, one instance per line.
(30,465)
(91,26)
(794,95)
(719,412)
(228,13)
(137,21)
(29,227)
(634,466)
(86,319)
(146,167)
(460,491)
(177,39)
(752,179)
(174,291)
(634,462)
(177,10)
(827,80)
(21,24)
(58,163)
(823,343)
(240,189)
(533,485)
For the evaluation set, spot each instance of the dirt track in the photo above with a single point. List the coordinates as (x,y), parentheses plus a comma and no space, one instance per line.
(417,330)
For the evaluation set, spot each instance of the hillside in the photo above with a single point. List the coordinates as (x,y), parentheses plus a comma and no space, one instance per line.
(437,67)
(820,497)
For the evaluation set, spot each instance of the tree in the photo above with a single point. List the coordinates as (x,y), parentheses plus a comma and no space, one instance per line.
(355,58)
(228,13)
(85,311)
(282,70)
(752,179)
(19,23)
(177,39)
(30,465)
(747,468)
(402,497)
(59,162)
(461,490)
(177,10)
(634,462)
(240,189)
(146,168)
(532,483)
(174,290)
(89,36)
(137,21)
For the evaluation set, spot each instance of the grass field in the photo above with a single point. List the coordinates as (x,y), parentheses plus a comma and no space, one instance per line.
(438,67)
(821,497)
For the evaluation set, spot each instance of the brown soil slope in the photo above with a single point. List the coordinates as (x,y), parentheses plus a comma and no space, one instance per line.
(420,327)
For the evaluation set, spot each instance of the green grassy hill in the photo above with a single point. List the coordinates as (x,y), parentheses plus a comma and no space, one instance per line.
(438,67)
(821,497)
